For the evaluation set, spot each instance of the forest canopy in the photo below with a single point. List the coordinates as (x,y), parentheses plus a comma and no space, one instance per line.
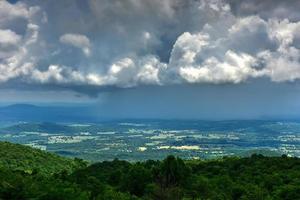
(27,173)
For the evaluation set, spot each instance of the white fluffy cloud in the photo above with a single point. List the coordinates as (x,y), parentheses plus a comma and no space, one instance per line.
(77,40)
(124,73)
(8,37)
(9,41)
(252,47)
(9,12)
(16,59)
(20,63)
(129,72)
(235,68)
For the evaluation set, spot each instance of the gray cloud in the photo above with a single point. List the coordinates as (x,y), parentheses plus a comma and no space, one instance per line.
(267,8)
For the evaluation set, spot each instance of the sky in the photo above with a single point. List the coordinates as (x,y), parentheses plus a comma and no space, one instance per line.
(204,59)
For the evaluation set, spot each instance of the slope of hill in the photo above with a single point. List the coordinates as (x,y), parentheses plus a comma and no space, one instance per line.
(27,159)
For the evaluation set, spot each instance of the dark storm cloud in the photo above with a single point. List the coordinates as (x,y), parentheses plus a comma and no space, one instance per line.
(288,9)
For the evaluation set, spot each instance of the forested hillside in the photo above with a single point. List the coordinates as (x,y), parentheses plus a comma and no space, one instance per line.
(18,157)
(26,173)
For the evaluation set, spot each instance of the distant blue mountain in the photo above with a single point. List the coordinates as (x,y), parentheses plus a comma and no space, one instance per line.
(37,127)
(28,112)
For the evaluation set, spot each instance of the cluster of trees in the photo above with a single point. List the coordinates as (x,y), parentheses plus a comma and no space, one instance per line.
(253,178)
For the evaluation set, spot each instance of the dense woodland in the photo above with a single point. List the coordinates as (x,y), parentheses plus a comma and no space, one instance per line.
(27,173)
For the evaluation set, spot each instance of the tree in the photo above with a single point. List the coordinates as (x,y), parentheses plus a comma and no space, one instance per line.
(174,171)
(137,179)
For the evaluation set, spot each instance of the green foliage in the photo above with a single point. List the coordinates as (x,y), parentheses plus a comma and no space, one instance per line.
(26,173)
(136,180)
(29,160)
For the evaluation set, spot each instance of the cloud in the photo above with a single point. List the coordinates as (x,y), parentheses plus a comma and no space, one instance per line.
(249,47)
(19,63)
(8,37)
(131,43)
(129,72)
(267,9)
(77,40)
(9,12)
(235,68)
(17,60)
(124,73)
(283,64)
(194,60)
(9,41)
